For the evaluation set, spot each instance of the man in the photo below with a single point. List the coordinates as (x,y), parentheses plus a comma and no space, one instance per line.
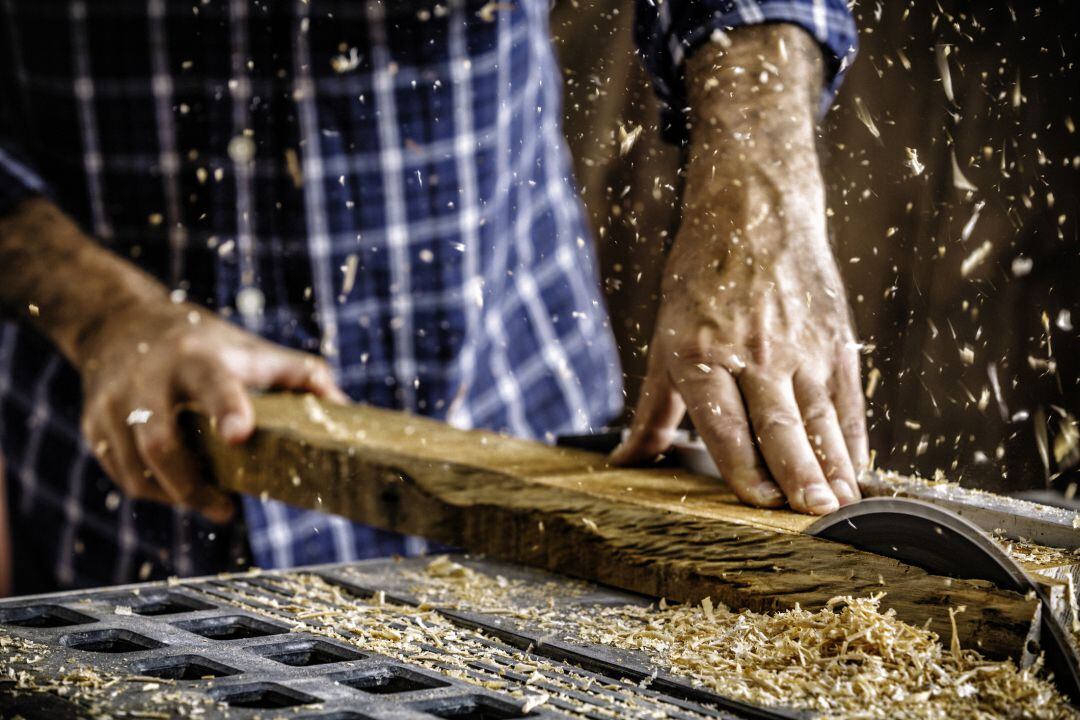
(386,184)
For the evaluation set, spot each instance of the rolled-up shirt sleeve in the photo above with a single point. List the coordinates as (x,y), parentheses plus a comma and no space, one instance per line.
(18,179)
(668,31)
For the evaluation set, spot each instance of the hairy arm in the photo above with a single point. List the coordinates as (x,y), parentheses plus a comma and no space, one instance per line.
(754,336)
(140,355)
(55,278)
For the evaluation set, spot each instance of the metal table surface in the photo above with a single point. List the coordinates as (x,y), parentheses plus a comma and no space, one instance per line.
(236,646)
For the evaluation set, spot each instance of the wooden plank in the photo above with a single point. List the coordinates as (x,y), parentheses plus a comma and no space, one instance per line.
(659,532)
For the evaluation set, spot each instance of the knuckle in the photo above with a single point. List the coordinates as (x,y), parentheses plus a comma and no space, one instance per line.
(156,442)
(772,421)
(818,412)
(190,345)
(723,425)
(205,357)
(696,352)
(851,402)
(321,373)
(853,426)
(832,460)
(759,349)
(316,365)
(246,361)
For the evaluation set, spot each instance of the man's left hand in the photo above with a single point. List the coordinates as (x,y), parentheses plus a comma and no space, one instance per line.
(753,336)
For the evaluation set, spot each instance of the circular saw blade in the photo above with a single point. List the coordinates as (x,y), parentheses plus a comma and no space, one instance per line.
(943,543)
(923,535)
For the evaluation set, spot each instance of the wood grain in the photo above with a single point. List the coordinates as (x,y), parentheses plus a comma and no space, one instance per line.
(658,532)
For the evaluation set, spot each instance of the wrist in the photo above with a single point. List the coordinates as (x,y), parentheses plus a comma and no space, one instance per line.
(125,298)
(126,326)
(755,218)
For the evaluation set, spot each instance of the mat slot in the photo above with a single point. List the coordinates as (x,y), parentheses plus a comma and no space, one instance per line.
(262,696)
(183,667)
(112,640)
(390,680)
(43,616)
(167,603)
(472,707)
(306,653)
(231,627)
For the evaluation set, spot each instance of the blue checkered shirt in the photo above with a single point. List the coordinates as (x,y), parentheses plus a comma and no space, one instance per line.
(384,183)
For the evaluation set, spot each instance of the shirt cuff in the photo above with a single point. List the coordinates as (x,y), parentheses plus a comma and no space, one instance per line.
(18,181)
(671,31)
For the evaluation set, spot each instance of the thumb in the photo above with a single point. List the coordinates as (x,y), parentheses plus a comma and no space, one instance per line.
(656,417)
(221,394)
(233,412)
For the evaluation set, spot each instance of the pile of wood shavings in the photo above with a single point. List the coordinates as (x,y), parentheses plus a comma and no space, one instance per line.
(1025,551)
(1038,557)
(452,584)
(850,659)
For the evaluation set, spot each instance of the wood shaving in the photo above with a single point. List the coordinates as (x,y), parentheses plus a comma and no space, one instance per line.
(866,118)
(627,138)
(960,182)
(851,659)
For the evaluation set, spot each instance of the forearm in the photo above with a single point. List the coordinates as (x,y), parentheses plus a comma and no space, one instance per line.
(753,179)
(55,278)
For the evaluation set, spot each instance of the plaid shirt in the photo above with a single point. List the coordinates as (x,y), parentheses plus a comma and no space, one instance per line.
(384,183)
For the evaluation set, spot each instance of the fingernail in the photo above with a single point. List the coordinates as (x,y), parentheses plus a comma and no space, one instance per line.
(819,499)
(766,493)
(843,492)
(233,428)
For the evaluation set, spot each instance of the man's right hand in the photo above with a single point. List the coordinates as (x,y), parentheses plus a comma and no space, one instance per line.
(141,356)
(142,365)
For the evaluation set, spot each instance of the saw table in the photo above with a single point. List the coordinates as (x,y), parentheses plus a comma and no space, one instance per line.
(246,645)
